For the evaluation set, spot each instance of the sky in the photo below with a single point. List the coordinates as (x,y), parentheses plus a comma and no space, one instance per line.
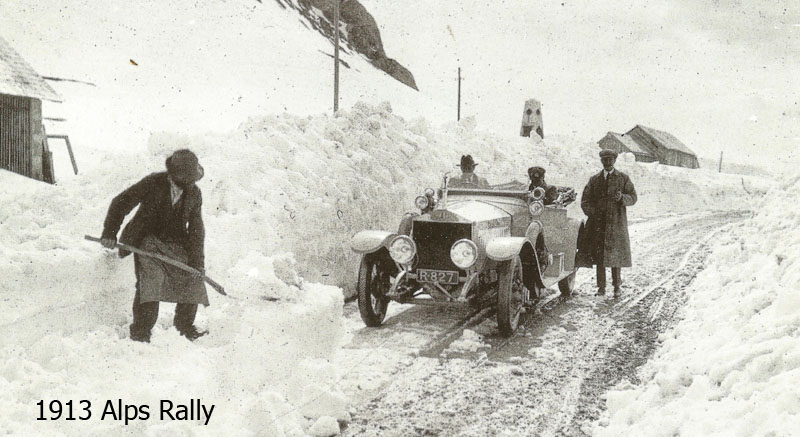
(720,75)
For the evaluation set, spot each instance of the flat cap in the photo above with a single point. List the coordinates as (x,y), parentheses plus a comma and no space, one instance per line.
(608,153)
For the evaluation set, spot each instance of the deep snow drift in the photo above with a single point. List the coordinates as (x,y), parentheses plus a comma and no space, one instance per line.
(275,186)
(731,366)
(309,183)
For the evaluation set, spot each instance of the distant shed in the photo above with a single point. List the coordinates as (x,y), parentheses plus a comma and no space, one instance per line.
(23,143)
(622,143)
(664,146)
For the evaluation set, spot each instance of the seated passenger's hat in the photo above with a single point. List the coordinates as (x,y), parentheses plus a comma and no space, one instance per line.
(536,172)
(608,153)
(184,166)
(467,161)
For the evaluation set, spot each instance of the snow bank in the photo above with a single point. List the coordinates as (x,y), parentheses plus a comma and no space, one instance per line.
(65,311)
(731,366)
(278,189)
(307,184)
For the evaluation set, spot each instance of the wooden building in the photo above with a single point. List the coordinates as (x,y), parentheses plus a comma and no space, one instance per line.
(668,149)
(648,145)
(622,143)
(23,142)
(532,119)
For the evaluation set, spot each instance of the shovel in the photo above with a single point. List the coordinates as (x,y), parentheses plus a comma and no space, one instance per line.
(167,260)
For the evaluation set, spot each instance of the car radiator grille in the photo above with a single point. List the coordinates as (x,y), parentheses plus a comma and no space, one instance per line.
(434,240)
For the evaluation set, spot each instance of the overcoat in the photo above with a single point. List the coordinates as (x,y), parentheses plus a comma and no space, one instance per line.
(180,225)
(607,226)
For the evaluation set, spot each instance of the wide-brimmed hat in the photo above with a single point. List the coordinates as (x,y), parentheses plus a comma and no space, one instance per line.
(536,172)
(467,161)
(184,166)
(608,153)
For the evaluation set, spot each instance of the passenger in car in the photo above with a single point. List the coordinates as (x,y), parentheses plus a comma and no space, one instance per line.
(536,174)
(468,178)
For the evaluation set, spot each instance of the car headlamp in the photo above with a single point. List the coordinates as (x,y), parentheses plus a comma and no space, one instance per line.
(536,208)
(537,193)
(421,202)
(402,249)
(464,253)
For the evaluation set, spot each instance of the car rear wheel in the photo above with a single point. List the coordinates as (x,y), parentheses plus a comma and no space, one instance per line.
(567,285)
(373,284)
(510,296)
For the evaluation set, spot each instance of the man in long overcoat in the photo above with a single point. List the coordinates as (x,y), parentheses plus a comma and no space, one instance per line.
(605,200)
(169,223)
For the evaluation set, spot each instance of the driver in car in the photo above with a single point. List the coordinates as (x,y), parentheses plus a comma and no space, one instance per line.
(536,174)
(468,178)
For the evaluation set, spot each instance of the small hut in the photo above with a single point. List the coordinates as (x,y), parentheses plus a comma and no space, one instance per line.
(622,143)
(23,142)
(532,119)
(664,146)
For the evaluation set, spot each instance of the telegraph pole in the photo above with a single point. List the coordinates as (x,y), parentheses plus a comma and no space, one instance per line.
(458,114)
(336,56)
(720,162)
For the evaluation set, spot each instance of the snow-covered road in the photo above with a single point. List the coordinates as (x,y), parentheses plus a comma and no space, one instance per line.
(418,375)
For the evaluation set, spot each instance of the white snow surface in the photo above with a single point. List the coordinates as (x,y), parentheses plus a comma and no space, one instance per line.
(276,188)
(282,194)
(470,341)
(308,184)
(731,366)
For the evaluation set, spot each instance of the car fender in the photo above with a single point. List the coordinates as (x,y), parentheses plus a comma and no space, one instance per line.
(370,241)
(533,231)
(504,248)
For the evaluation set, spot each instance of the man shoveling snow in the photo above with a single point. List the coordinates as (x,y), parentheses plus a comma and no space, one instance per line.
(168,223)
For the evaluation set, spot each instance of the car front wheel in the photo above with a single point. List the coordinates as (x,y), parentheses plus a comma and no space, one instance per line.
(510,296)
(373,284)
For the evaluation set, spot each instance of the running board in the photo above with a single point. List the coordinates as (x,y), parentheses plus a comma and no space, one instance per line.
(550,281)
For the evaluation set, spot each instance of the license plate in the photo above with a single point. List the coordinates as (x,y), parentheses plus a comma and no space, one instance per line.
(440,276)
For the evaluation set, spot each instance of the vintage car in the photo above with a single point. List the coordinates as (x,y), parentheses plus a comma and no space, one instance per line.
(475,246)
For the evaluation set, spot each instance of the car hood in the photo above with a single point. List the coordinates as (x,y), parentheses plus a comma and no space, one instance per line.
(477,209)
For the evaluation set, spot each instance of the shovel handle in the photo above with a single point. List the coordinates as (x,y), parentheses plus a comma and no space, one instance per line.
(218,288)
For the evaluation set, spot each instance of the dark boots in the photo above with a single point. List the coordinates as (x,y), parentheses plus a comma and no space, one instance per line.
(616,280)
(145,316)
(192,333)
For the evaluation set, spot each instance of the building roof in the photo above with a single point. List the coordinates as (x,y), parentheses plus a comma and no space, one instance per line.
(17,78)
(666,139)
(629,143)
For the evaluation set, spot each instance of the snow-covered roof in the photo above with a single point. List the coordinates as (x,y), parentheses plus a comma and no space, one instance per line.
(17,78)
(629,142)
(666,139)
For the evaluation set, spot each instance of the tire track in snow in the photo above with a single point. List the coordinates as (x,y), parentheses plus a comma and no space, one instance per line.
(578,349)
